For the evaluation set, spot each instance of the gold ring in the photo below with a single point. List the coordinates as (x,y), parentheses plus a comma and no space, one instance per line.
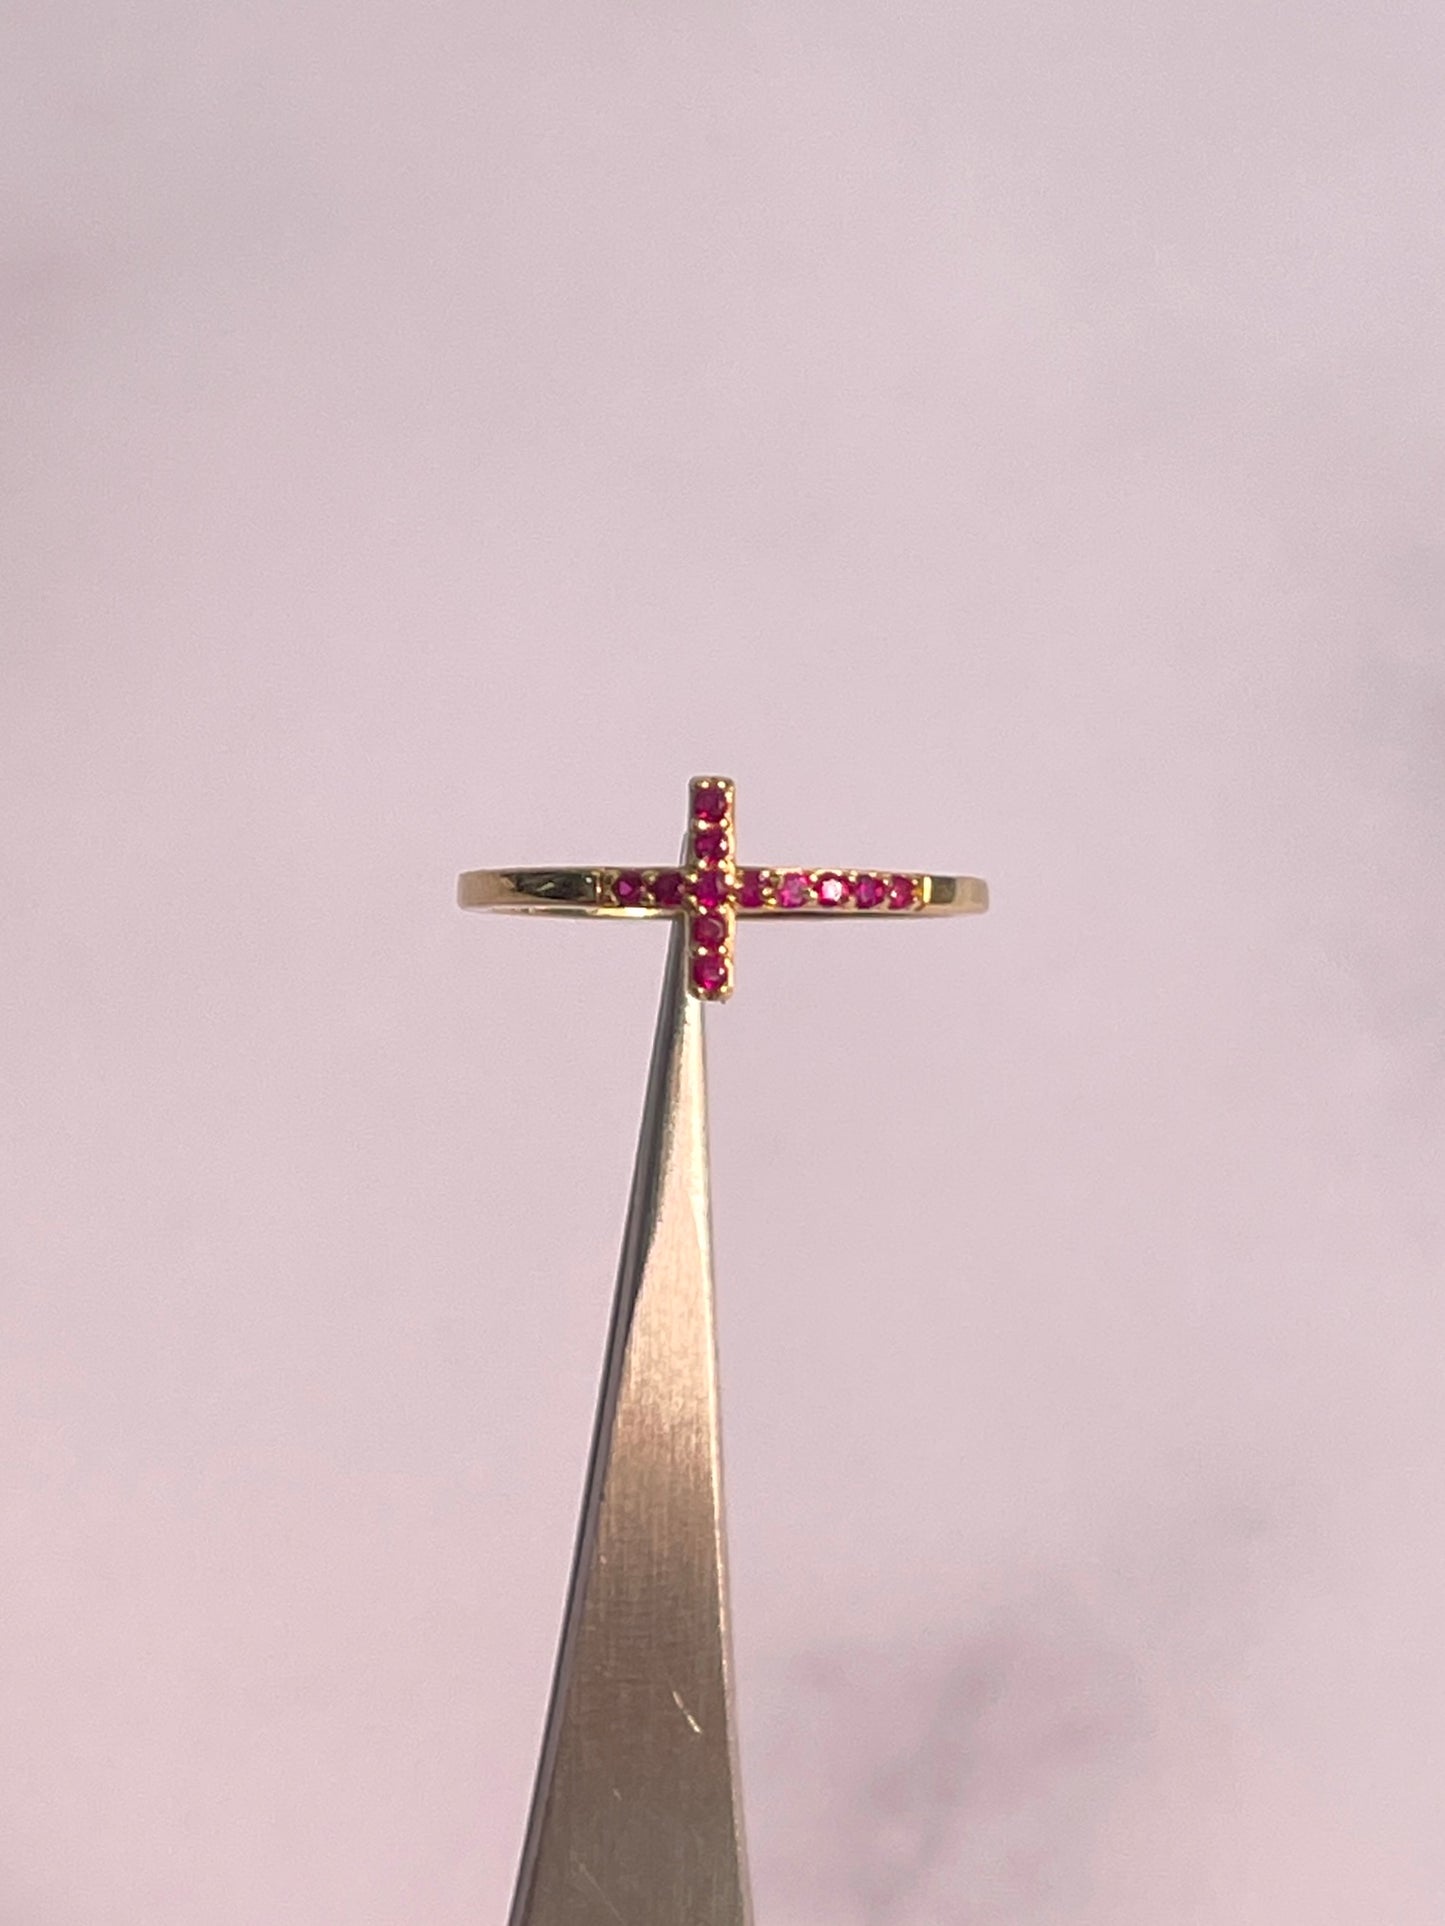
(711,889)
(656,892)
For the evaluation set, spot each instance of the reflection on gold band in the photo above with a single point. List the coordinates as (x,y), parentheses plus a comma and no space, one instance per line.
(591,892)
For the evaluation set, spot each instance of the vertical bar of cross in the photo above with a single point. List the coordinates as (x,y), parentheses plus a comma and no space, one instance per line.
(712,886)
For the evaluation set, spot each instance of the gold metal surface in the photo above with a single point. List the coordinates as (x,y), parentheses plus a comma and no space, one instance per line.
(584,892)
(636,1817)
(712,889)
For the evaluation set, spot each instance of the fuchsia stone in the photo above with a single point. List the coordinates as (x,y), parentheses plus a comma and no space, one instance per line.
(710,931)
(833,890)
(710,972)
(709,888)
(869,891)
(752,895)
(901,893)
(630,887)
(710,802)
(667,888)
(709,845)
(794,890)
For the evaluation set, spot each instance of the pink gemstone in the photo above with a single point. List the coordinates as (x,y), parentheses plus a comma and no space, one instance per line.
(752,890)
(832,890)
(710,802)
(667,888)
(710,972)
(901,893)
(794,890)
(710,931)
(710,888)
(869,891)
(709,845)
(630,887)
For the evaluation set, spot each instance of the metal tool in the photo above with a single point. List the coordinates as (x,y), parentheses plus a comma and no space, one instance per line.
(637,1813)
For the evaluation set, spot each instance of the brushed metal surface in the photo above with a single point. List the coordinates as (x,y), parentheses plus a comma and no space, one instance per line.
(636,1816)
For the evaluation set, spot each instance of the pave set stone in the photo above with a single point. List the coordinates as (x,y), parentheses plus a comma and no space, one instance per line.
(765,889)
(712,889)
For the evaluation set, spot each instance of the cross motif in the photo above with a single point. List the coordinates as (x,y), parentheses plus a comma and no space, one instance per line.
(712,889)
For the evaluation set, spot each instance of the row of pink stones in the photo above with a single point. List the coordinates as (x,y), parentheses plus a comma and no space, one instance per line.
(710,889)
(766,889)
(711,841)
(711,961)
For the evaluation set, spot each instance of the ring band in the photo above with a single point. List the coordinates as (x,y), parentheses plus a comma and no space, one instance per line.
(762,892)
(709,890)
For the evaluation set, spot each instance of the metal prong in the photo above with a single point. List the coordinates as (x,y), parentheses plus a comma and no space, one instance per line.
(636,1816)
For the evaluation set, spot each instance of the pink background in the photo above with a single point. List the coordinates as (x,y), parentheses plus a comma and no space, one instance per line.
(1003,440)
